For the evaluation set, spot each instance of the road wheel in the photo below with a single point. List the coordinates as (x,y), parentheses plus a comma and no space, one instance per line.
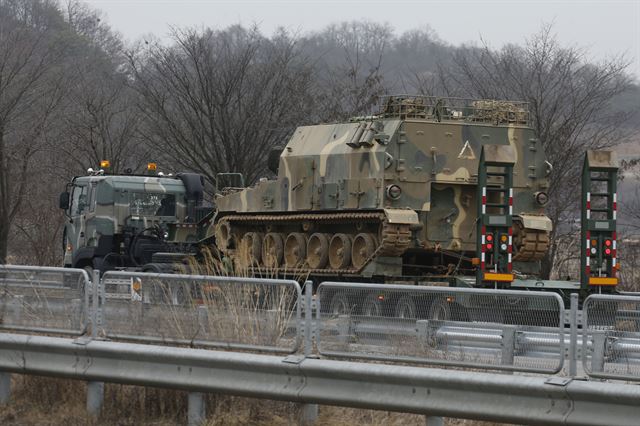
(295,250)
(250,250)
(364,245)
(318,251)
(272,250)
(340,251)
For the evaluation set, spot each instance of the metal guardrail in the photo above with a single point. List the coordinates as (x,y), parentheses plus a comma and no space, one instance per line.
(611,336)
(202,311)
(510,330)
(434,392)
(44,300)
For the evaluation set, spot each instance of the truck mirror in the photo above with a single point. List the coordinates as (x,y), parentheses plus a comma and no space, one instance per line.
(64,200)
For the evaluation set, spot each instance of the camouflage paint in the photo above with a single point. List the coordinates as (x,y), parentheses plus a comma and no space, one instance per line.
(432,156)
(108,209)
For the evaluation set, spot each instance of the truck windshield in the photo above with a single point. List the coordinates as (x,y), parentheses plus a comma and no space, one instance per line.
(150,204)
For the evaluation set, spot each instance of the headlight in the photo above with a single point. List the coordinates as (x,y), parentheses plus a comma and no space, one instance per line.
(394,192)
(541,198)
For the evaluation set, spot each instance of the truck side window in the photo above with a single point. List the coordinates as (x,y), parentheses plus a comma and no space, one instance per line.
(79,200)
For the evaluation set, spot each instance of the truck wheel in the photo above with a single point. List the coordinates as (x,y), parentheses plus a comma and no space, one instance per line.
(153,291)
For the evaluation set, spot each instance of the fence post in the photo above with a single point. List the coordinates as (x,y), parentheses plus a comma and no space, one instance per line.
(599,350)
(95,282)
(15,308)
(203,320)
(95,397)
(196,409)
(434,421)
(573,338)
(422,330)
(5,387)
(76,313)
(95,390)
(309,412)
(508,344)
(344,328)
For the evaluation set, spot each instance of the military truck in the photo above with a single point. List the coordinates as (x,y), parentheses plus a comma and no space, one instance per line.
(393,194)
(116,221)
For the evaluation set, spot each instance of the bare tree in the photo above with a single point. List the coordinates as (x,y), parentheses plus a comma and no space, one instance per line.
(348,68)
(217,101)
(31,87)
(569,101)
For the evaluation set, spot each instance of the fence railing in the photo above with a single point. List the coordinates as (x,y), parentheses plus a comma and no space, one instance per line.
(611,336)
(509,330)
(202,311)
(44,300)
(488,329)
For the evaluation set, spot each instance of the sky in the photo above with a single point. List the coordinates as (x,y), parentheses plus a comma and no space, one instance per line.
(603,28)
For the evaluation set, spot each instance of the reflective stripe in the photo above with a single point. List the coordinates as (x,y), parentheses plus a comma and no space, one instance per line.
(510,201)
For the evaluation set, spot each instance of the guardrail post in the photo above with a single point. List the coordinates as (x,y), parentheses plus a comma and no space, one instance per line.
(5,387)
(422,329)
(573,338)
(196,409)
(95,390)
(95,282)
(76,312)
(308,412)
(15,308)
(599,350)
(508,344)
(344,327)
(203,319)
(434,421)
(95,397)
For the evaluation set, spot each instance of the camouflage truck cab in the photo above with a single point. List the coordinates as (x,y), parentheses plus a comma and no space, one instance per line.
(119,221)
(381,193)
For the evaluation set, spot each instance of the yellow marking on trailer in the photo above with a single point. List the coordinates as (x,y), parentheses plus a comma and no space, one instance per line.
(492,276)
(603,281)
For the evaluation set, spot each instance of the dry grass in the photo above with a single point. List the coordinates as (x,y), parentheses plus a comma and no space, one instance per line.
(45,401)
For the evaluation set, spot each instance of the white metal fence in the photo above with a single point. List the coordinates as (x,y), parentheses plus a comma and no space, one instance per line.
(611,336)
(46,300)
(488,329)
(509,330)
(202,311)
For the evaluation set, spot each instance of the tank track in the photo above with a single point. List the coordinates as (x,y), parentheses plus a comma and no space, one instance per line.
(533,245)
(394,238)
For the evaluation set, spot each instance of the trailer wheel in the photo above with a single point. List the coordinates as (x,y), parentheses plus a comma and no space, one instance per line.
(372,306)
(440,310)
(339,305)
(406,308)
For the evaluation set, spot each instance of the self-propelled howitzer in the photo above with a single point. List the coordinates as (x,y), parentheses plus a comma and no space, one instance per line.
(392,194)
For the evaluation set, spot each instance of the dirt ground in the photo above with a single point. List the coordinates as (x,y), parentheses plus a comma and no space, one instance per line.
(44,401)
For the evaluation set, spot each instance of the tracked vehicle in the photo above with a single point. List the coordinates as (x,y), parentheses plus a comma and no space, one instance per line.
(389,195)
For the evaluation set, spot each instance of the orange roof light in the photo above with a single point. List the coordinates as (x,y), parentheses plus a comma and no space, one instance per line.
(105,164)
(151,167)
